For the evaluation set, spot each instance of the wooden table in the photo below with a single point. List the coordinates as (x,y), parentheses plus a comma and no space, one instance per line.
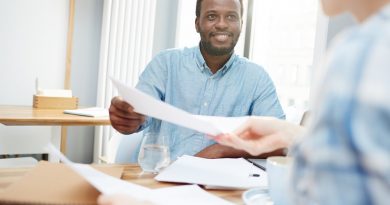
(132,173)
(27,116)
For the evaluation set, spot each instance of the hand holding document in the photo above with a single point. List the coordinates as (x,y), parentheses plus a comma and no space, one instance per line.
(147,105)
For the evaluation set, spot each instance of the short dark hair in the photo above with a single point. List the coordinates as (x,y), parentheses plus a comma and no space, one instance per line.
(199,4)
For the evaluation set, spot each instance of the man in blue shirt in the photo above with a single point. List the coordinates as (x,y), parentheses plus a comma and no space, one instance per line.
(205,80)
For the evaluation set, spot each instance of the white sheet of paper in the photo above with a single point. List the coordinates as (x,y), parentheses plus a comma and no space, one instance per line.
(214,173)
(186,194)
(109,185)
(225,124)
(147,105)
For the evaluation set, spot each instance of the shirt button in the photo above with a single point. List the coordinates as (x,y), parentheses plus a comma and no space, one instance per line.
(205,104)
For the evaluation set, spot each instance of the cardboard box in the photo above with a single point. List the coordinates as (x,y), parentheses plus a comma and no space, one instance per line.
(46,102)
(54,183)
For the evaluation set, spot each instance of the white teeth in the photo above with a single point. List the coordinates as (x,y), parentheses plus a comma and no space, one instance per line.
(221,37)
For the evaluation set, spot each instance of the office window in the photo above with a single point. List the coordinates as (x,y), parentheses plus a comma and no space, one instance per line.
(186,35)
(283,41)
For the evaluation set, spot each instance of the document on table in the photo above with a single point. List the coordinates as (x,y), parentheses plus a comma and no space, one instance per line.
(214,173)
(178,195)
(89,112)
(147,105)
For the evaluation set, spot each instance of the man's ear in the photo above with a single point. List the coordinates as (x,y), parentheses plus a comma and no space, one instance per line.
(197,24)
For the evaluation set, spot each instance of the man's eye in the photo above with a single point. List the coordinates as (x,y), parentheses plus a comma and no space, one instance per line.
(232,17)
(211,17)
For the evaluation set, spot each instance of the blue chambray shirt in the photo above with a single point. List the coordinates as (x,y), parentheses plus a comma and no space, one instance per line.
(180,77)
(345,158)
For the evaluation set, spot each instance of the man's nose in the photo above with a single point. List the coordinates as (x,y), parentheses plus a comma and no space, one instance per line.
(221,23)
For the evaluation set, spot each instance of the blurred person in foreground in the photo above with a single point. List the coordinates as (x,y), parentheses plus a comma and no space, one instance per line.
(343,156)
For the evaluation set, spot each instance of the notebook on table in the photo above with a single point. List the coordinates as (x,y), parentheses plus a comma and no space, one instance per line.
(89,112)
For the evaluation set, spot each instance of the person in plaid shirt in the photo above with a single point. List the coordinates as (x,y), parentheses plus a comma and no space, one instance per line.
(343,156)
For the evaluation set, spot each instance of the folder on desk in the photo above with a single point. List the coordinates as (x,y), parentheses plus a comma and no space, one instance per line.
(54,183)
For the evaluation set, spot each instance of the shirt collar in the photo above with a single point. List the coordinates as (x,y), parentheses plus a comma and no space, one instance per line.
(202,63)
(199,59)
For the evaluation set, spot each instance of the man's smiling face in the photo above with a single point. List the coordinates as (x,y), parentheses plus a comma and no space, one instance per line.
(219,25)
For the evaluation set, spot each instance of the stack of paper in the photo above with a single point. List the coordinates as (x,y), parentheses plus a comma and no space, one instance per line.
(214,173)
(55,93)
(64,93)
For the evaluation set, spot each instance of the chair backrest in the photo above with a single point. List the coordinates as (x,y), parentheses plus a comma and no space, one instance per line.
(123,148)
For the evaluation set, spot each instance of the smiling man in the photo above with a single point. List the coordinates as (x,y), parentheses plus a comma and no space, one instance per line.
(219,24)
(205,80)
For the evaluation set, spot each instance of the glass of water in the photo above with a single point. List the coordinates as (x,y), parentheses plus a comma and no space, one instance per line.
(154,152)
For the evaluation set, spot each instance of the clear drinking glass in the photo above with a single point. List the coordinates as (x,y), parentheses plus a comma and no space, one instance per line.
(154,153)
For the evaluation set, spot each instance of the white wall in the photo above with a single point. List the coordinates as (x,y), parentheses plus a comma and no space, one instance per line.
(33,44)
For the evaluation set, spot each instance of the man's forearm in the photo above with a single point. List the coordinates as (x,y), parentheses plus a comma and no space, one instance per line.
(220,151)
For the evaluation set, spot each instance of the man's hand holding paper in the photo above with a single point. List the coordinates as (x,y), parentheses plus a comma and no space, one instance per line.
(123,118)
(147,105)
